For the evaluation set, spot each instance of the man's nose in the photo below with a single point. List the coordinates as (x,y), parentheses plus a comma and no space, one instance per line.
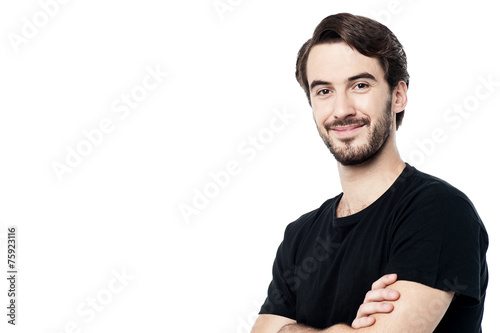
(342,107)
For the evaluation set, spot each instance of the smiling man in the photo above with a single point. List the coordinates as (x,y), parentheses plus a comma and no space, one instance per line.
(398,250)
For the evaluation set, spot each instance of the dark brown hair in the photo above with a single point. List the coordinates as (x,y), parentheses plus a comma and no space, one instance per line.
(369,38)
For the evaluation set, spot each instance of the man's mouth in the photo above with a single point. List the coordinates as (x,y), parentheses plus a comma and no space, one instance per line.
(346,131)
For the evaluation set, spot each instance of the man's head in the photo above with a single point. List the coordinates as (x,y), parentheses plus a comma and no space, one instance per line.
(353,71)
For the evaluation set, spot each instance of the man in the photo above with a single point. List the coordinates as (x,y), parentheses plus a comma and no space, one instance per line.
(398,250)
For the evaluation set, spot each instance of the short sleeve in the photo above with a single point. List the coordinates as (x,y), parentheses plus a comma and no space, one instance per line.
(440,241)
(281,296)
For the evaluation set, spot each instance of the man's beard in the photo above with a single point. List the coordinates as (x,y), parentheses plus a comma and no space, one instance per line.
(348,154)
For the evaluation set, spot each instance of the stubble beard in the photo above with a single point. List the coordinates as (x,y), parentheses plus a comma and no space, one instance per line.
(348,154)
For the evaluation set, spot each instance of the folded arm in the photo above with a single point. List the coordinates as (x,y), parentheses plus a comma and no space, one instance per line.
(267,323)
(418,309)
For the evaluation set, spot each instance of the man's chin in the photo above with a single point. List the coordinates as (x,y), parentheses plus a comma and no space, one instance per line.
(351,161)
(352,156)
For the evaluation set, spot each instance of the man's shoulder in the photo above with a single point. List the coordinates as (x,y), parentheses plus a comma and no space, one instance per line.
(425,193)
(312,219)
(421,186)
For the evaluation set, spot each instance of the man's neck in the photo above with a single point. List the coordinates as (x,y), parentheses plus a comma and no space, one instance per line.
(364,183)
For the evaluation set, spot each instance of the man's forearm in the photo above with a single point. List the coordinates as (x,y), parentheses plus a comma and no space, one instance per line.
(297,328)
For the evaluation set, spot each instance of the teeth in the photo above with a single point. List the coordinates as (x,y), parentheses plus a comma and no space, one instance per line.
(347,127)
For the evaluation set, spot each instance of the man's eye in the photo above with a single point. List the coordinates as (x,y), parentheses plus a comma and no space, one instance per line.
(323,92)
(361,86)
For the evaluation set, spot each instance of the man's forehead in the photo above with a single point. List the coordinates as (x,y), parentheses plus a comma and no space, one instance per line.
(339,61)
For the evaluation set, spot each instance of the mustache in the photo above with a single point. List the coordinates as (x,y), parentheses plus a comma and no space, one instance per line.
(347,122)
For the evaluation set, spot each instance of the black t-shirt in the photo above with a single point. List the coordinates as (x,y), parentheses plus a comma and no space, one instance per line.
(421,228)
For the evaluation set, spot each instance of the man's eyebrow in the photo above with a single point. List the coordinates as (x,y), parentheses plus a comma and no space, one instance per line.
(316,83)
(364,75)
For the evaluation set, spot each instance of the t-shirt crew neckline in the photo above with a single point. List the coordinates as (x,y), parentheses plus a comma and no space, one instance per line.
(351,219)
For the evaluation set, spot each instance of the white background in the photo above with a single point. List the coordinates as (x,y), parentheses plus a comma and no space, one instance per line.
(228,73)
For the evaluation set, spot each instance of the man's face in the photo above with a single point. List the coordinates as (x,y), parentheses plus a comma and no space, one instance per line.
(351,102)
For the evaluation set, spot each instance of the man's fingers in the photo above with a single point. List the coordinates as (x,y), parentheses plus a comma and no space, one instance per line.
(363,318)
(380,295)
(367,309)
(384,281)
(375,301)
(363,322)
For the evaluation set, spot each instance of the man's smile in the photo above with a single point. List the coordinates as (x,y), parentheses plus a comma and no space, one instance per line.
(345,131)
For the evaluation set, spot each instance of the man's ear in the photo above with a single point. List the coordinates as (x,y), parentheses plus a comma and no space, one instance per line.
(400,97)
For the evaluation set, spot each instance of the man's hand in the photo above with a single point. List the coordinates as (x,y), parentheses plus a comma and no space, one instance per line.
(375,301)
